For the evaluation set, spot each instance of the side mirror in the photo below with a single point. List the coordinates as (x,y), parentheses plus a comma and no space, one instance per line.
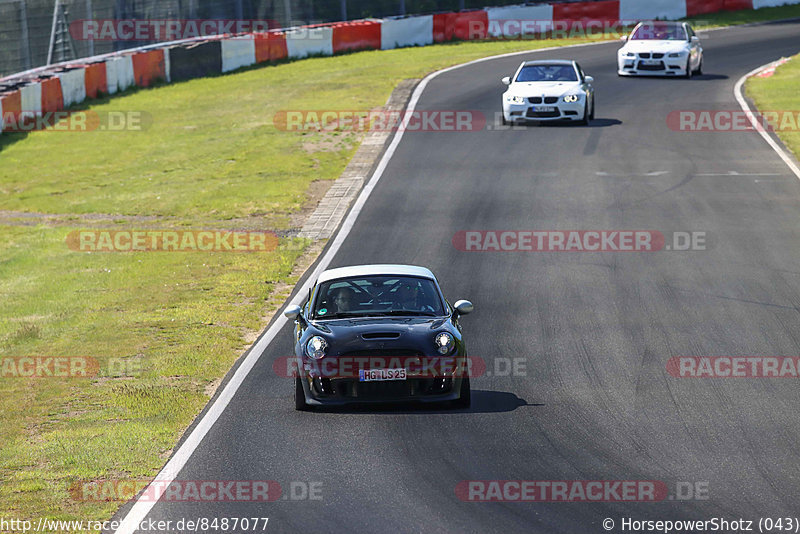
(695,39)
(292,312)
(589,79)
(624,38)
(506,80)
(463,307)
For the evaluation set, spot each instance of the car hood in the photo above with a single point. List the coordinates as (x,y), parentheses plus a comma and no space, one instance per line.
(655,46)
(543,88)
(357,326)
(414,334)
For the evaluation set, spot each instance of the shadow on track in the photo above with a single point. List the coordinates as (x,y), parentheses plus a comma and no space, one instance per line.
(710,77)
(482,402)
(594,123)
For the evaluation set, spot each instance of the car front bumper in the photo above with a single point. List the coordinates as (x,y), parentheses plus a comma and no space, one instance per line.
(529,112)
(664,66)
(346,391)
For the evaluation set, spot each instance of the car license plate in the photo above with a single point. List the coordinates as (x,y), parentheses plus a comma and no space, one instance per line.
(380,375)
(651,62)
(544,109)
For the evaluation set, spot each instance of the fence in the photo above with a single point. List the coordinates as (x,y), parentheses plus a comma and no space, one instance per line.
(25,25)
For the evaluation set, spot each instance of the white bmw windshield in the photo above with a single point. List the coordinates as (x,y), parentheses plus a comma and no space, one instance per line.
(547,73)
(659,33)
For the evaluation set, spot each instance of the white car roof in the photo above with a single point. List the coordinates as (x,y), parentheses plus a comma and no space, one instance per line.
(567,62)
(375,270)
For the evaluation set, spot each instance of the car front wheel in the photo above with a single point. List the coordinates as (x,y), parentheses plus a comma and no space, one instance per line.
(699,70)
(585,120)
(465,395)
(688,74)
(299,396)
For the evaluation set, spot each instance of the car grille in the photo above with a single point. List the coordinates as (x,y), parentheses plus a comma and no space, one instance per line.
(660,66)
(542,114)
(547,99)
(658,55)
(391,389)
(381,352)
(645,55)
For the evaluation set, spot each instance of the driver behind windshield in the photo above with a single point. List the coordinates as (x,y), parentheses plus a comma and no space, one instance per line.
(412,297)
(376,296)
(343,299)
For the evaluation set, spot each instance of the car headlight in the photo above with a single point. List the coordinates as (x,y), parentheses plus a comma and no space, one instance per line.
(316,346)
(515,99)
(571,98)
(630,54)
(444,342)
(676,54)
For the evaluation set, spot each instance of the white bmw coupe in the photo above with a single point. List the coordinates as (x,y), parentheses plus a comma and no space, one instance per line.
(554,90)
(661,49)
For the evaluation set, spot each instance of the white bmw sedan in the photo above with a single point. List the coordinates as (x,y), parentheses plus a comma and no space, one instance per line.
(661,49)
(554,90)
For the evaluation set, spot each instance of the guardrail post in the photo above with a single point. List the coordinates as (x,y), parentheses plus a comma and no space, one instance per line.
(25,44)
(89,17)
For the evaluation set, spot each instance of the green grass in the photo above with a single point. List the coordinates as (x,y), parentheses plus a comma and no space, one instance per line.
(174,323)
(210,158)
(780,92)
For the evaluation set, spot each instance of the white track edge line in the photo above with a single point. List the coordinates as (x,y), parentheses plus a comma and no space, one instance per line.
(170,471)
(785,156)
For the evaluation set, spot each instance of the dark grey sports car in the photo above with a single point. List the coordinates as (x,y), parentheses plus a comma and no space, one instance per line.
(379,333)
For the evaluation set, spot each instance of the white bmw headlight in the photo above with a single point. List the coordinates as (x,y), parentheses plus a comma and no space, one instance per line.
(676,54)
(571,98)
(315,347)
(516,99)
(444,342)
(630,54)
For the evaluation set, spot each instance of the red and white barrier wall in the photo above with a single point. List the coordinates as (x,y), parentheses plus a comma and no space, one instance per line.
(54,88)
(309,41)
(654,9)
(31,98)
(506,21)
(73,86)
(410,31)
(238,52)
(119,73)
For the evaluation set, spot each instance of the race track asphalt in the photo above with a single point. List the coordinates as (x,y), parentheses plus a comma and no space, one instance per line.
(595,329)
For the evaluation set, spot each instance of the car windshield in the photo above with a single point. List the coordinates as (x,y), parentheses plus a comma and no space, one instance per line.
(547,73)
(659,32)
(377,296)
